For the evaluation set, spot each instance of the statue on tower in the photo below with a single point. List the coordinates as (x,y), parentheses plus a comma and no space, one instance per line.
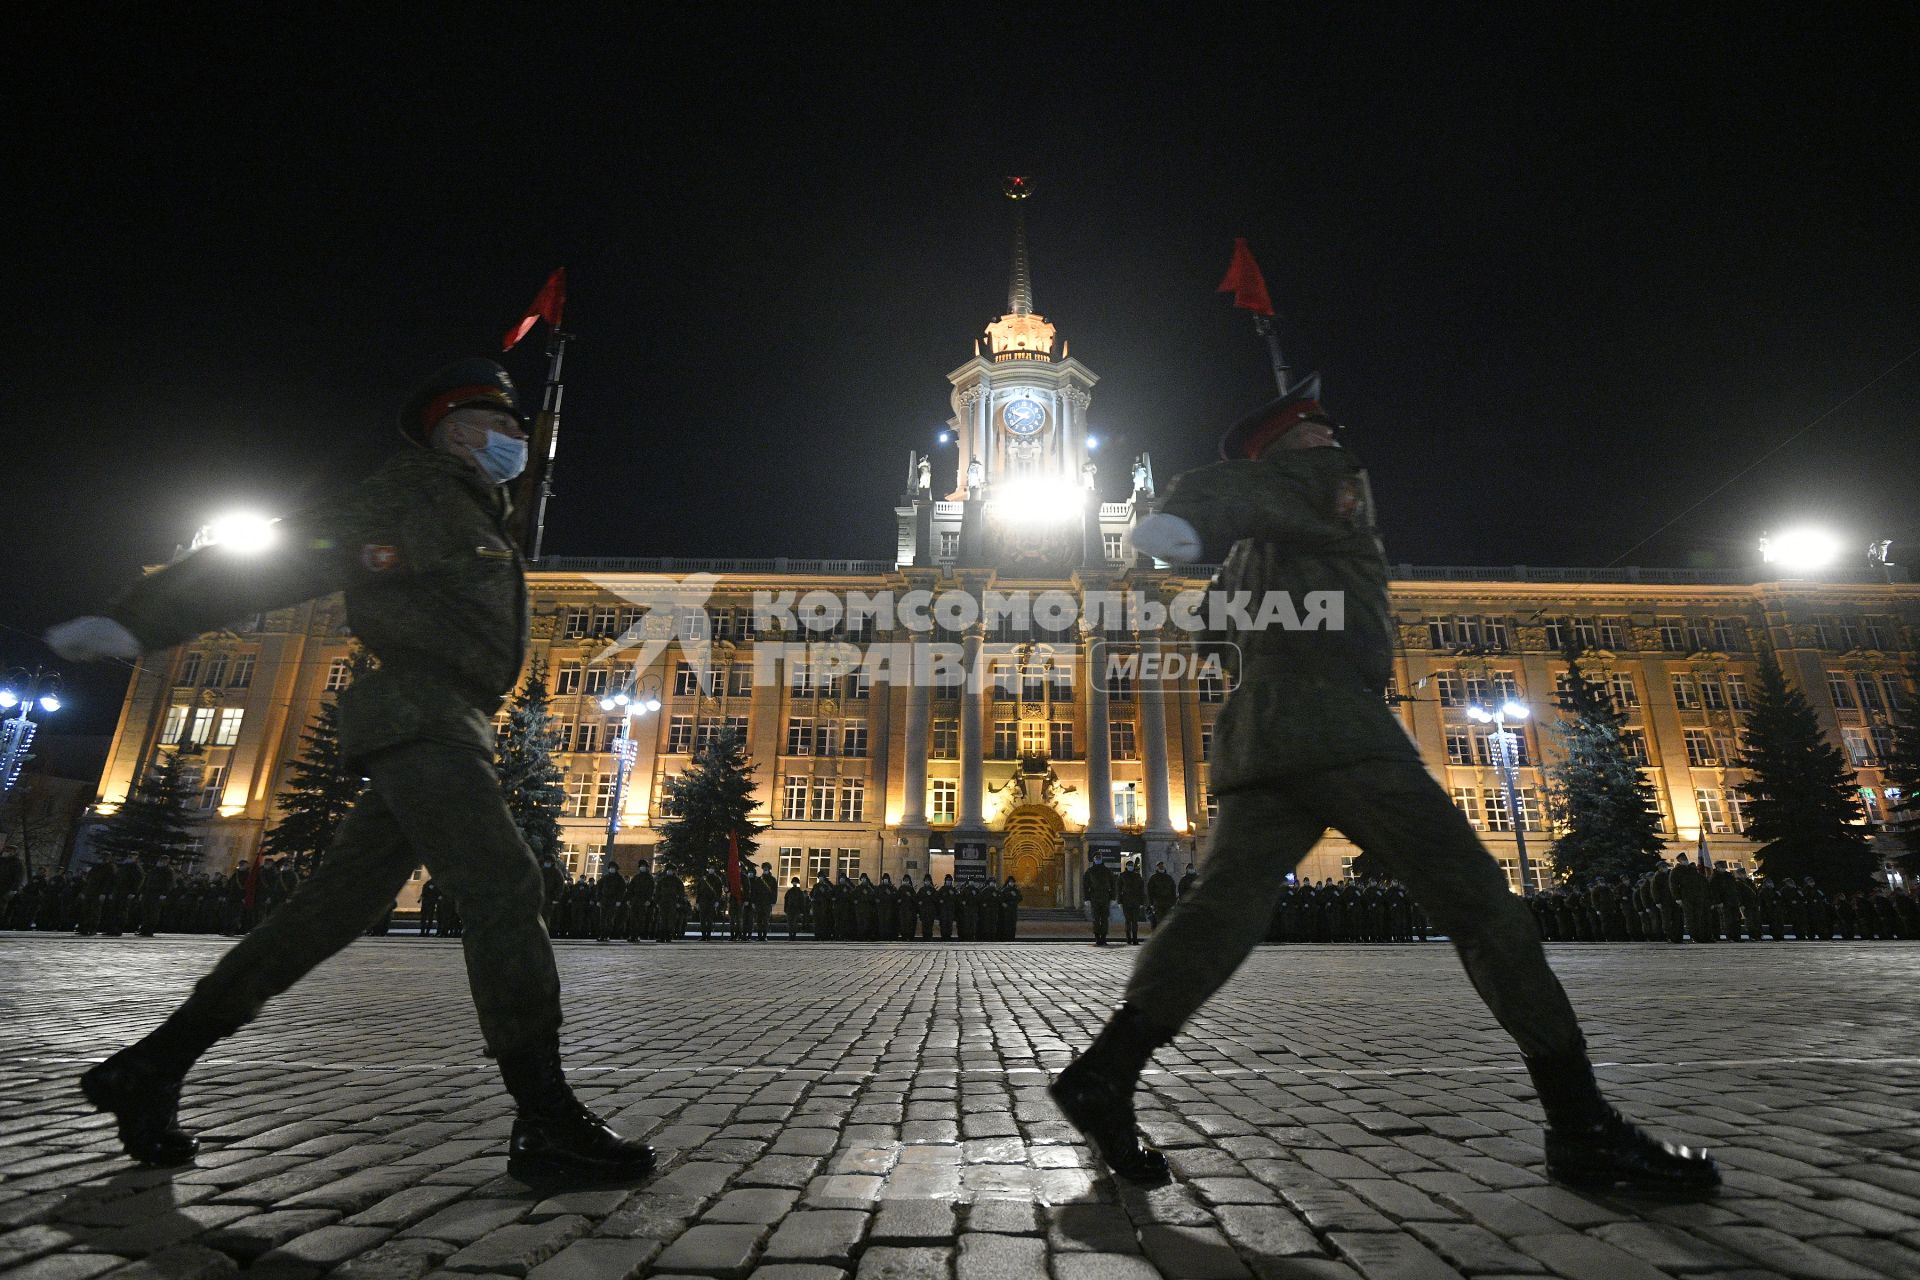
(1143,475)
(1089,473)
(925,475)
(976,477)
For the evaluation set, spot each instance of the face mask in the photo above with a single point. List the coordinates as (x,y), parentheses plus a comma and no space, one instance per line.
(501,458)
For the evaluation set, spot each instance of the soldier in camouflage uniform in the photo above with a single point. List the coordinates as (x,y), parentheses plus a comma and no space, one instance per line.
(435,590)
(1307,742)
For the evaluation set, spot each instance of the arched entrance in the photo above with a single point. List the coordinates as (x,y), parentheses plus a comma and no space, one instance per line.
(1030,853)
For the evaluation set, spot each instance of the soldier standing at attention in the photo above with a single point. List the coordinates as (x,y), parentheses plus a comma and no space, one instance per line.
(949,903)
(765,892)
(1161,895)
(1133,895)
(1305,742)
(927,901)
(824,921)
(553,888)
(1187,881)
(796,907)
(706,895)
(1010,909)
(612,903)
(155,893)
(435,590)
(1098,886)
(429,905)
(640,902)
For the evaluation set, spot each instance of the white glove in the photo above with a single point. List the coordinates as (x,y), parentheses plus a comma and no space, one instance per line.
(1168,537)
(85,639)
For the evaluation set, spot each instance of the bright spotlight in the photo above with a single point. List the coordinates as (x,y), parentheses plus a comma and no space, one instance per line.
(49,703)
(653,704)
(1800,549)
(8,699)
(945,436)
(621,699)
(1480,714)
(606,704)
(243,531)
(1093,444)
(1037,501)
(1513,710)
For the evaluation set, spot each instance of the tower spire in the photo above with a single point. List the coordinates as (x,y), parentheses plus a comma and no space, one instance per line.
(1020,285)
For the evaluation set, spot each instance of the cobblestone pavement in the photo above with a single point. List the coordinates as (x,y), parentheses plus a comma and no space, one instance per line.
(879,1111)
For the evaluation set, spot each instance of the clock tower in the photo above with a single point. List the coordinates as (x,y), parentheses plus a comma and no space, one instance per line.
(1024,495)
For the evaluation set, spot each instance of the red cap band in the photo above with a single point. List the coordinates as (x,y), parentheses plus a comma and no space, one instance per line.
(442,405)
(1288,417)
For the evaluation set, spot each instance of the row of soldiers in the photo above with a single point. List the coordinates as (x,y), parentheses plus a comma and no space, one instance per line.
(664,906)
(1347,911)
(120,896)
(1692,901)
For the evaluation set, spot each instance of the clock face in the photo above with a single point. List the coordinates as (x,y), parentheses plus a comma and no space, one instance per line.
(1024,417)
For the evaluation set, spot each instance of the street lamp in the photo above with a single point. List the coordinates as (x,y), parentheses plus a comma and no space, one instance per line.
(628,702)
(20,693)
(1800,550)
(243,531)
(1503,754)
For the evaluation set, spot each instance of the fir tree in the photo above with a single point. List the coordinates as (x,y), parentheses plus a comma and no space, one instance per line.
(531,777)
(154,823)
(1802,801)
(1600,802)
(713,797)
(320,789)
(1903,767)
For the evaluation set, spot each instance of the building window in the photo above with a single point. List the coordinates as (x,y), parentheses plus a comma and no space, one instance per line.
(1869,691)
(1686,695)
(190,668)
(573,623)
(949,543)
(1033,738)
(175,725)
(602,794)
(1730,635)
(216,672)
(800,677)
(1060,739)
(1126,803)
(1459,745)
(944,743)
(853,800)
(1467,800)
(1005,739)
(1882,736)
(1841,691)
(819,863)
(1634,743)
(1859,753)
(567,678)
(799,735)
(202,724)
(848,863)
(1110,543)
(1896,690)
(853,738)
(1493,633)
(1494,800)
(1532,813)
(1448,688)
(686,681)
(1626,695)
(822,810)
(793,806)
(1727,747)
(587,736)
(1206,740)
(1673,635)
(242,676)
(597,680)
(740,680)
(603,620)
(1212,686)
(1713,814)
(1505,687)
(945,799)
(337,675)
(679,735)
(792,862)
(1613,633)
(226,730)
(1737,693)
(1700,749)
(1879,632)
(1736,812)
(1003,678)
(1119,686)
(1476,691)
(1826,630)
(212,783)
(1712,697)
(1120,741)
(1488,744)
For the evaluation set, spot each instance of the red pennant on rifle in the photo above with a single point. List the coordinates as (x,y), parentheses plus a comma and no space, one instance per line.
(547,306)
(734,886)
(1244,281)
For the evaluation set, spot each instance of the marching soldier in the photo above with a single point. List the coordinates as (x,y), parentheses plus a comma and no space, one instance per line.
(1306,742)
(1098,886)
(1162,893)
(434,588)
(1132,893)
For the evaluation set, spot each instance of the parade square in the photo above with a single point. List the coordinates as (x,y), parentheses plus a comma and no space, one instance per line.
(828,1110)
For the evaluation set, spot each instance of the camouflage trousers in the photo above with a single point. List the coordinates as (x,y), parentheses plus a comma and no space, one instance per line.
(1395,811)
(432,804)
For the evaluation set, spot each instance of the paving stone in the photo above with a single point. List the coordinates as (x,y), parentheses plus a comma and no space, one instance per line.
(996,1257)
(598,1259)
(818,1235)
(1783,1253)
(798,1271)
(66,1266)
(395,1260)
(1390,1256)
(181,1262)
(248,1238)
(1474,1249)
(1268,1230)
(1666,1247)
(1193,1253)
(1584,1258)
(466,1221)
(713,1250)
(913,1222)
(1103,1266)
(895,1262)
(1004,1217)
(1092,1228)
(756,1205)
(520,1247)
(403,1208)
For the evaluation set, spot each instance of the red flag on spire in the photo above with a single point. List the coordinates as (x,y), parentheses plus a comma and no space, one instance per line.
(734,888)
(547,306)
(1244,281)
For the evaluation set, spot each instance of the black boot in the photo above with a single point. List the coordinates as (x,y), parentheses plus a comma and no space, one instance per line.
(1592,1147)
(140,1085)
(555,1133)
(1095,1093)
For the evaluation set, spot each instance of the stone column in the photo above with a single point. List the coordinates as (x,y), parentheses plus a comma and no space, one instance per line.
(970,817)
(913,806)
(1153,728)
(1101,831)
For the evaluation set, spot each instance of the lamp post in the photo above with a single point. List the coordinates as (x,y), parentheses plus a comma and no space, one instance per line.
(629,702)
(21,692)
(1503,754)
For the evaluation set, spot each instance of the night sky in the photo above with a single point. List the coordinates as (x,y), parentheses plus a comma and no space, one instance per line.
(1564,271)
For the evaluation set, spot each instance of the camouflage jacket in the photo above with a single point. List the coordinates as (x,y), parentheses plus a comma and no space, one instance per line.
(1308,699)
(434,589)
